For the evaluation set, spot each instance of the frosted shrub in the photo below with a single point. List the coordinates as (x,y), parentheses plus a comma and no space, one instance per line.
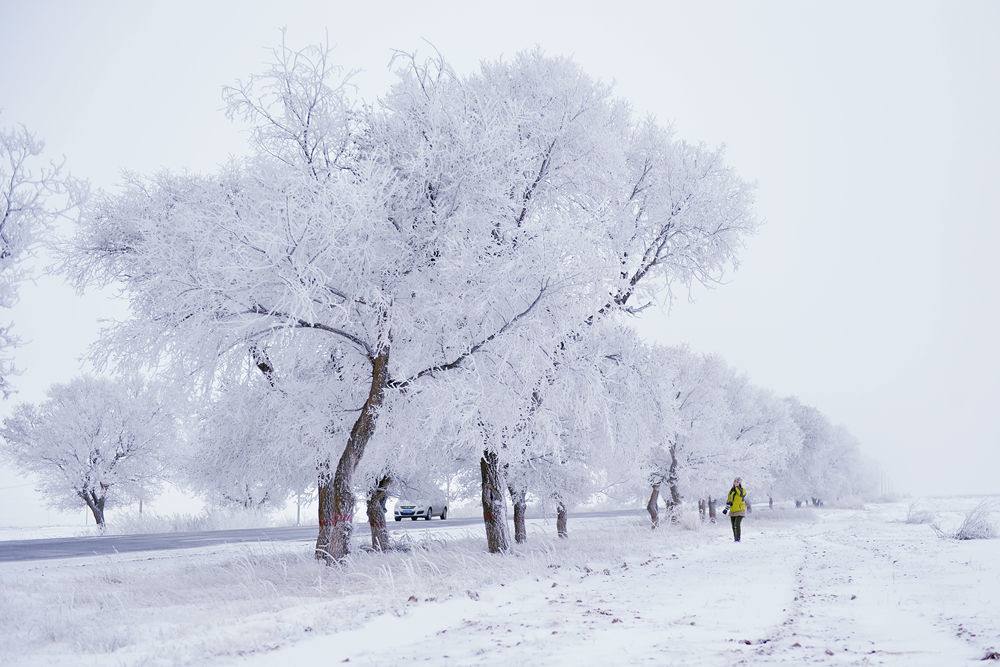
(848,503)
(688,520)
(975,526)
(916,515)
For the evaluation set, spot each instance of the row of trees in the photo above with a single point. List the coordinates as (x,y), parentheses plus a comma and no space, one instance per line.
(621,422)
(382,294)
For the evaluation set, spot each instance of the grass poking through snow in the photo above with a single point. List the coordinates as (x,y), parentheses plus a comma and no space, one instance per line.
(187,607)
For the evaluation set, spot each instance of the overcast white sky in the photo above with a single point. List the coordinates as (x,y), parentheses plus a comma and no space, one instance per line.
(870,128)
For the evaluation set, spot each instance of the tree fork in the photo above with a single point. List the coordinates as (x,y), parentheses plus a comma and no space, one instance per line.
(96,506)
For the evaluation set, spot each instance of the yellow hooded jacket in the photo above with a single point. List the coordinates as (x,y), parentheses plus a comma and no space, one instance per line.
(736,501)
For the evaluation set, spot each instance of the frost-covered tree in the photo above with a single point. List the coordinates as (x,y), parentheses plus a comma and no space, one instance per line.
(691,388)
(828,466)
(33,193)
(94,441)
(593,424)
(760,436)
(553,455)
(852,474)
(803,477)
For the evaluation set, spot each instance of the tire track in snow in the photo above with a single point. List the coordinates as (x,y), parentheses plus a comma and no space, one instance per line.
(849,610)
(781,633)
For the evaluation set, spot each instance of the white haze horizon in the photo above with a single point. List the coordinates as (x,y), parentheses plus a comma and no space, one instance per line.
(871,131)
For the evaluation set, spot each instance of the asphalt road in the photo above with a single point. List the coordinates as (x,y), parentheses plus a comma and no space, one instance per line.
(74,547)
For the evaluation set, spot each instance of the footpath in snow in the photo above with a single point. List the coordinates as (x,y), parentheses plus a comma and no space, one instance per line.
(824,587)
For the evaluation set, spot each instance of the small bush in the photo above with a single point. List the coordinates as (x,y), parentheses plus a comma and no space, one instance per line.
(687,520)
(975,526)
(848,503)
(916,515)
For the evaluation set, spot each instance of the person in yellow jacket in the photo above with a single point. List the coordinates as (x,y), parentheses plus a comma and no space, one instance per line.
(736,506)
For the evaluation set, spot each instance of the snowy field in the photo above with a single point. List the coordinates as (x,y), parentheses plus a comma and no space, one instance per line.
(827,586)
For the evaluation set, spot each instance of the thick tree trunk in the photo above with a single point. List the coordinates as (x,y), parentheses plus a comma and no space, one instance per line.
(324,497)
(675,493)
(376,514)
(336,497)
(702,508)
(96,505)
(675,501)
(494,507)
(770,503)
(651,506)
(711,509)
(562,517)
(517,498)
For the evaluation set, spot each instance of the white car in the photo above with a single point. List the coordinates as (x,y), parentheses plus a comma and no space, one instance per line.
(421,509)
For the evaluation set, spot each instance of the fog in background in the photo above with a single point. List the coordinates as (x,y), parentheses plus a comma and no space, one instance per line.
(871,130)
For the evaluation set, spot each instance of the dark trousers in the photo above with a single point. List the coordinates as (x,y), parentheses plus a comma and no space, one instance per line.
(736,520)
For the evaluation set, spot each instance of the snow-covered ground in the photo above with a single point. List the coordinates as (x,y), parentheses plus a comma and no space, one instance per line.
(827,586)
